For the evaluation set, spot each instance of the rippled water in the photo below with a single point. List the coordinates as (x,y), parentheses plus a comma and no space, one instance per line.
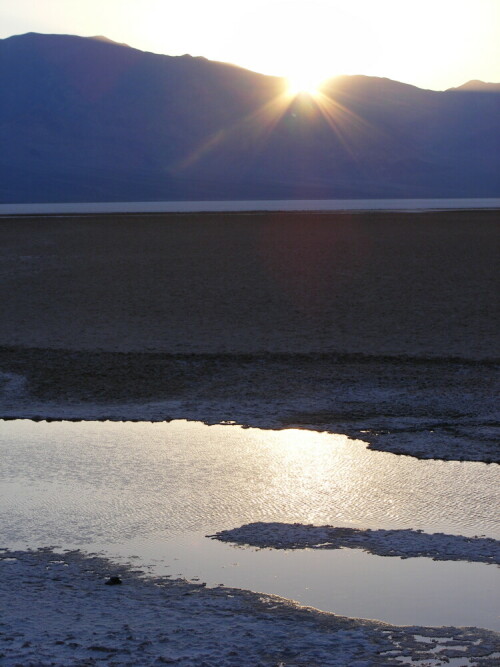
(113,479)
(156,490)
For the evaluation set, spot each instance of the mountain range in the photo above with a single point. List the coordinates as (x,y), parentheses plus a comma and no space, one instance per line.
(87,119)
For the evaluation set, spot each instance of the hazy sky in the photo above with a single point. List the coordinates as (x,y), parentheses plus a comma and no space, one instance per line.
(430,43)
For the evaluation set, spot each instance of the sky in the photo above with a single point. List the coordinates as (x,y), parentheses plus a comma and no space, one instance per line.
(433,44)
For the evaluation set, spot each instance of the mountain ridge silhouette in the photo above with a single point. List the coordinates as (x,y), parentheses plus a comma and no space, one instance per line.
(88,119)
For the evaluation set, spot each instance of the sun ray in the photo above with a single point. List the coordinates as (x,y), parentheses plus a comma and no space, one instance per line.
(347,125)
(255,128)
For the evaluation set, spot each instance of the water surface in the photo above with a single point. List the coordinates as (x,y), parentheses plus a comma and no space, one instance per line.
(156,490)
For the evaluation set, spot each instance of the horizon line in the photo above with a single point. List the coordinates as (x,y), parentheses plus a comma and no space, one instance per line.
(252,206)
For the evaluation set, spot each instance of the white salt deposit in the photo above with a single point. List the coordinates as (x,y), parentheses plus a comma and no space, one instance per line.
(82,208)
(57,610)
(402,543)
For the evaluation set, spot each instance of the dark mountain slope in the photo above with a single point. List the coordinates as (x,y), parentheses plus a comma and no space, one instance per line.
(89,119)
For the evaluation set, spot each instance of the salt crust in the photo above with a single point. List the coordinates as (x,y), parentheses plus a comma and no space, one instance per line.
(403,543)
(57,611)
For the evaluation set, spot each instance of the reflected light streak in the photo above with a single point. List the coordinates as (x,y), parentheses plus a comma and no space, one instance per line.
(309,466)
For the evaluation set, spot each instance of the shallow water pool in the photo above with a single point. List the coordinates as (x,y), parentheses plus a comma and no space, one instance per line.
(156,490)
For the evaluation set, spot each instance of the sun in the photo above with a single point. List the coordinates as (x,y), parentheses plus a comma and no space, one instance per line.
(304,82)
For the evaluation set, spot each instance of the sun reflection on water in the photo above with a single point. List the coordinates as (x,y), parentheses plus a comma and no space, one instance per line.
(159,489)
(120,479)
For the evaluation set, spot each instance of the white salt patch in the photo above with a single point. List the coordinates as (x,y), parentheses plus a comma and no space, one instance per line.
(68,616)
(77,208)
(402,543)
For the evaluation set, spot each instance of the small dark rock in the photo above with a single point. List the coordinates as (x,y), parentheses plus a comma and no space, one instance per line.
(113,581)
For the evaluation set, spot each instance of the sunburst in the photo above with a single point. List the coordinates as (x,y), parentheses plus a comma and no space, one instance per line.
(305,83)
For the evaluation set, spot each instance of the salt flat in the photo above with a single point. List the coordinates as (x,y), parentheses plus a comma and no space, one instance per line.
(379,326)
(418,284)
